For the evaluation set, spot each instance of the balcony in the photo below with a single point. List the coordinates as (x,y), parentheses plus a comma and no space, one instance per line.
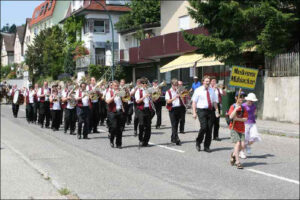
(160,46)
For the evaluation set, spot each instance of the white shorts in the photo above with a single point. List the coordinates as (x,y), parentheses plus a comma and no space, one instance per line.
(251,133)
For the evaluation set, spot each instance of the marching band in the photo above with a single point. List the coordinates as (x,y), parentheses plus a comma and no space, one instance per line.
(89,103)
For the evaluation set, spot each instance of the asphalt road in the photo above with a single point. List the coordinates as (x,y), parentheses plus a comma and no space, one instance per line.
(92,169)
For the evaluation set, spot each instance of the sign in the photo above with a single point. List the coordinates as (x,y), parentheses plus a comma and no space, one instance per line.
(243,77)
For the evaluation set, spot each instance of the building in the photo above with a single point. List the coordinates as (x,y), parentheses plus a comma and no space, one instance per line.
(47,14)
(19,45)
(7,48)
(97,33)
(150,57)
(27,36)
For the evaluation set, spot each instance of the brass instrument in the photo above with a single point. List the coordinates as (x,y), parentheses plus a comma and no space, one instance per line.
(126,89)
(150,90)
(157,91)
(183,92)
(71,94)
(93,93)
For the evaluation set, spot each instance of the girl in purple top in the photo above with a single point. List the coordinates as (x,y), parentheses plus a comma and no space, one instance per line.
(251,133)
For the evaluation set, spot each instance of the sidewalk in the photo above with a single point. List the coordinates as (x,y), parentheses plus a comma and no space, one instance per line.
(267,127)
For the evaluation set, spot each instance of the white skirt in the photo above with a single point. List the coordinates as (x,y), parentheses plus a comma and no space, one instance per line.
(251,133)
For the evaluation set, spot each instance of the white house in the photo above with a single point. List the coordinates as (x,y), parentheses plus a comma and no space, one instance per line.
(7,48)
(27,36)
(18,46)
(97,32)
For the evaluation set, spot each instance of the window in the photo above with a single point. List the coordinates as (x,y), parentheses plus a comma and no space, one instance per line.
(99,26)
(42,10)
(50,5)
(36,14)
(184,22)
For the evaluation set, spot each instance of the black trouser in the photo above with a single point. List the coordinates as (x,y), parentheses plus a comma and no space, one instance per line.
(83,114)
(215,124)
(44,113)
(102,111)
(125,113)
(175,115)
(130,112)
(144,117)
(182,118)
(158,107)
(70,119)
(94,116)
(35,111)
(135,119)
(55,114)
(30,112)
(61,115)
(15,109)
(115,129)
(205,119)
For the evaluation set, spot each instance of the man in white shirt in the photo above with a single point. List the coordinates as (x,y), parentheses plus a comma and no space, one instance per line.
(204,99)
(15,107)
(44,94)
(144,111)
(115,115)
(55,102)
(135,119)
(36,103)
(216,120)
(102,106)
(94,114)
(174,103)
(70,111)
(83,111)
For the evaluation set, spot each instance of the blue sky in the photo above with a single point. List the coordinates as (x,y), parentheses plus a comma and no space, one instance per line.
(16,12)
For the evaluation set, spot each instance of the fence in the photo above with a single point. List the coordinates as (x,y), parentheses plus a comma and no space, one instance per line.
(283,65)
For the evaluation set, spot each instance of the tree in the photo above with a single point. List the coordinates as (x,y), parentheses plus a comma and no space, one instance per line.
(46,55)
(237,26)
(142,12)
(9,29)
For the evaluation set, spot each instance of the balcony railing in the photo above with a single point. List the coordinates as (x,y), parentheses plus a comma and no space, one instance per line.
(160,46)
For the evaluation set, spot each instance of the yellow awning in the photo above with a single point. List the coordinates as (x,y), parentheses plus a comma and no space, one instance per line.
(188,60)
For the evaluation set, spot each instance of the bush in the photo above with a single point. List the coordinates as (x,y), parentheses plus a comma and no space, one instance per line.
(12,75)
(41,80)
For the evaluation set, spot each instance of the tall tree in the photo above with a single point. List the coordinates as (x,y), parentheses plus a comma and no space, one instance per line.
(142,12)
(239,26)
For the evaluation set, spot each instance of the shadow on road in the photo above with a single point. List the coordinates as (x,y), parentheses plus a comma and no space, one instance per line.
(251,164)
(222,149)
(261,156)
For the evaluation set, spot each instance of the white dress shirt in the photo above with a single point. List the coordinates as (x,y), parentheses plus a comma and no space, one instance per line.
(65,95)
(200,97)
(137,97)
(117,100)
(46,91)
(30,94)
(217,93)
(85,100)
(176,102)
(56,104)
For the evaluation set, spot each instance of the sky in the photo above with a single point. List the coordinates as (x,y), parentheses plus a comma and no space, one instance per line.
(16,12)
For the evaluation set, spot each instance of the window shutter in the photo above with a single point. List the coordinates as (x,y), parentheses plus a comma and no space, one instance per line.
(91,25)
(107,27)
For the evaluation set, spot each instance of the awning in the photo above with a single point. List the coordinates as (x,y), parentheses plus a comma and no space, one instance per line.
(188,60)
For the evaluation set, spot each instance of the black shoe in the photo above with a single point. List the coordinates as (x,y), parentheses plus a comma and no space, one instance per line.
(119,147)
(42,126)
(101,124)
(198,147)
(112,145)
(135,133)
(145,144)
(85,137)
(140,144)
(181,132)
(206,149)
(157,127)
(173,141)
(96,131)
(47,127)
(217,139)
(178,142)
(78,136)
(65,131)
(128,123)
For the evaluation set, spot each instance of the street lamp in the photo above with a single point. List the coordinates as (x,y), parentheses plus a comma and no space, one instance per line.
(112,32)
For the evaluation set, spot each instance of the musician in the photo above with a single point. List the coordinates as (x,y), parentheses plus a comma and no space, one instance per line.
(132,94)
(29,96)
(63,106)
(174,106)
(183,110)
(36,103)
(144,110)
(15,107)
(83,111)
(94,114)
(44,106)
(157,104)
(216,120)
(125,104)
(55,104)
(204,99)
(115,115)
(70,111)
(102,106)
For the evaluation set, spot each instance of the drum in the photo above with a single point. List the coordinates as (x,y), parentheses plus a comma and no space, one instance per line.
(18,98)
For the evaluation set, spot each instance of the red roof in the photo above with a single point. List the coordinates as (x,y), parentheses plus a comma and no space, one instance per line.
(43,11)
(95,6)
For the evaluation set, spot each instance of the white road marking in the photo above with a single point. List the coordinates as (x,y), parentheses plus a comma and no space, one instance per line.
(169,148)
(274,176)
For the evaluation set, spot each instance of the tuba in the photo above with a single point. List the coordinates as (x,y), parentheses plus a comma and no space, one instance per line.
(127,87)
(157,91)
(71,94)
